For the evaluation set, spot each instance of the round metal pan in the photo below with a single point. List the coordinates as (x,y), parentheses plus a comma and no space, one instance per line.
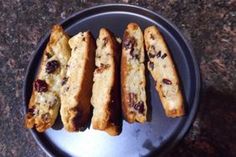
(151,138)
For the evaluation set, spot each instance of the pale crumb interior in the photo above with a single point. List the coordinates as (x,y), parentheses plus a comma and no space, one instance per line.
(75,71)
(136,72)
(49,102)
(163,70)
(103,77)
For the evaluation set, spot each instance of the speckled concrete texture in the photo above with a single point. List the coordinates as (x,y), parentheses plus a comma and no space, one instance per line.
(209,26)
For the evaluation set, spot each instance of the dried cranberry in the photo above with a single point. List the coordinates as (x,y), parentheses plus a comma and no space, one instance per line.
(163,56)
(64,80)
(132,53)
(48,55)
(31,110)
(166,81)
(151,65)
(129,43)
(151,55)
(158,54)
(139,107)
(40,85)
(51,66)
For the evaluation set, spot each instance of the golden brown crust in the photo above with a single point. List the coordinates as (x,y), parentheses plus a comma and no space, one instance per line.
(43,106)
(76,92)
(162,69)
(133,82)
(106,88)
(124,93)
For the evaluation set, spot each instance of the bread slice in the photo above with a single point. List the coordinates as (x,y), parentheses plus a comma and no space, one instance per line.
(77,89)
(45,99)
(106,87)
(163,71)
(133,80)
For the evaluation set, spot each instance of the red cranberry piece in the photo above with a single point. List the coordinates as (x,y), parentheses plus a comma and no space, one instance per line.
(166,81)
(48,55)
(64,80)
(31,110)
(129,43)
(151,55)
(163,56)
(134,55)
(139,107)
(40,85)
(51,66)
(158,54)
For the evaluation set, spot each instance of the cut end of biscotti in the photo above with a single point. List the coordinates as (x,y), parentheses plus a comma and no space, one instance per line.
(133,26)
(174,113)
(57,28)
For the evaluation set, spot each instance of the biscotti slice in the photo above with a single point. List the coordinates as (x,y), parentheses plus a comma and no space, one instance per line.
(133,75)
(76,91)
(45,99)
(106,88)
(163,71)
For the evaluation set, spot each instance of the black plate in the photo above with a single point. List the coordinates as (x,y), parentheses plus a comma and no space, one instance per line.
(136,139)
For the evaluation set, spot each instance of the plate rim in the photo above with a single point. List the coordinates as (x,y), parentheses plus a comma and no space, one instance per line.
(197,96)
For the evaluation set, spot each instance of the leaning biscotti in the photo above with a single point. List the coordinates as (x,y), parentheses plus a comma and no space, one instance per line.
(106,87)
(163,71)
(45,99)
(76,91)
(133,82)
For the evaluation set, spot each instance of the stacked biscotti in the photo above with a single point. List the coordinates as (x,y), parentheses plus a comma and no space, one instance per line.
(100,81)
